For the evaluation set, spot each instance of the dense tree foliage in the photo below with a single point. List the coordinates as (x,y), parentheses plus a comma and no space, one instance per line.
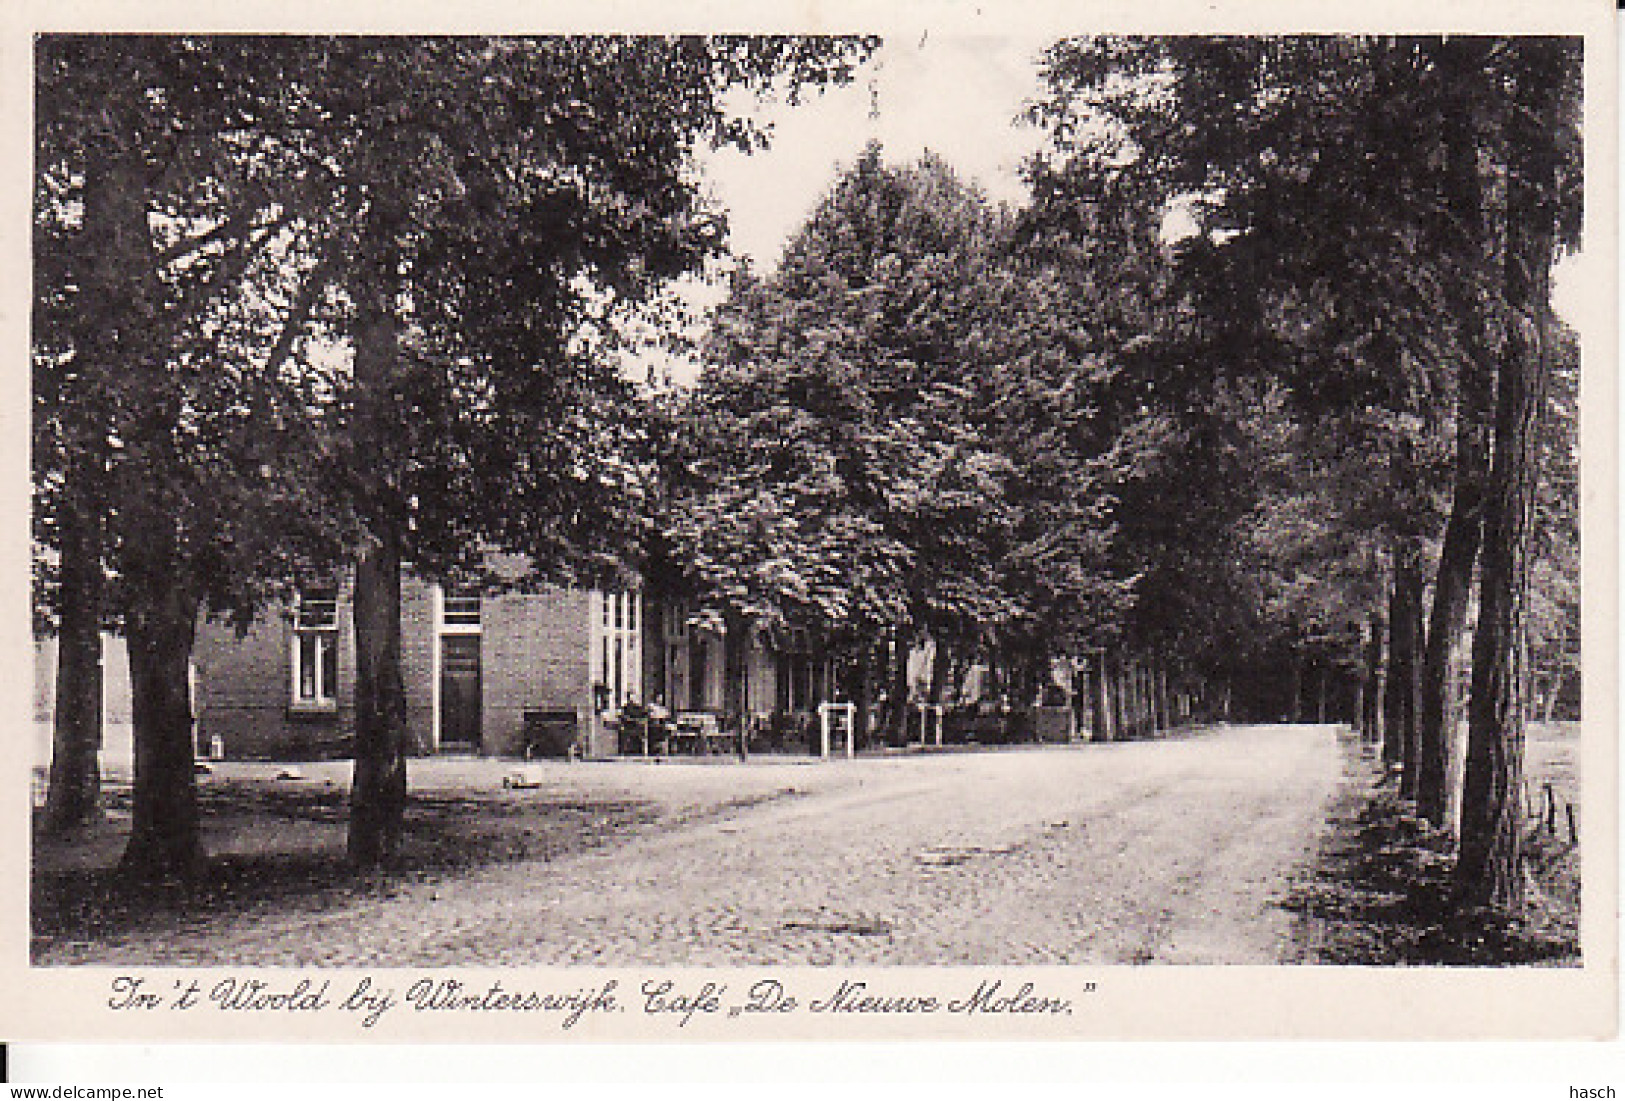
(1261,389)
(464,220)
(893,437)
(164,412)
(1374,224)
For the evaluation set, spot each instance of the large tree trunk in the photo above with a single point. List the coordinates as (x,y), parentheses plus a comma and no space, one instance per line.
(736,678)
(1147,702)
(123,340)
(1131,699)
(735,700)
(116,266)
(1077,694)
(941,669)
(1450,597)
(1405,660)
(164,843)
(1487,870)
(897,720)
(1459,554)
(1148,699)
(1117,705)
(862,699)
(1401,690)
(75,781)
(1100,697)
(378,789)
(1371,687)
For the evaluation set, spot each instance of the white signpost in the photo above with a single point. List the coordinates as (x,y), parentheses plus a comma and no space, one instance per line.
(836,716)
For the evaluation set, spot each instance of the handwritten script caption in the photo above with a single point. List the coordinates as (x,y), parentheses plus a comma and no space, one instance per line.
(368,1000)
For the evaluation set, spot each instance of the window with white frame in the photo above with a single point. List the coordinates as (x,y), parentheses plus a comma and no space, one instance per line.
(315,651)
(616,654)
(460,612)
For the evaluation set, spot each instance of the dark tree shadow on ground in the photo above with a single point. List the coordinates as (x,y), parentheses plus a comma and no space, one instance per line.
(444,836)
(1382,894)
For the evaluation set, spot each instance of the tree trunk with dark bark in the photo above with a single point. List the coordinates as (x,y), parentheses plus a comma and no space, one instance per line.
(1457,558)
(165,842)
(1116,680)
(1131,698)
(736,679)
(1463,531)
(1488,872)
(1371,687)
(76,738)
(941,670)
(1148,703)
(862,700)
(1100,697)
(1077,695)
(1403,679)
(897,720)
(1404,663)
(1148,696)
(378,789)
(124,341)
(735,702)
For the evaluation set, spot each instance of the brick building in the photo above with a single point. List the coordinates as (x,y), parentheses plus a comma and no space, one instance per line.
(481,674)
(474,667)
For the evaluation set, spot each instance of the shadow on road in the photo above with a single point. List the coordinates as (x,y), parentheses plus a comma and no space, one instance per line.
(283,850)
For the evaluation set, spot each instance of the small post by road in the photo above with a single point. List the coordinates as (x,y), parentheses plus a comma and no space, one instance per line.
(930,717)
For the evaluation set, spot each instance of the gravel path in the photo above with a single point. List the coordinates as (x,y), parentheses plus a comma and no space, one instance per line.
(1167,851)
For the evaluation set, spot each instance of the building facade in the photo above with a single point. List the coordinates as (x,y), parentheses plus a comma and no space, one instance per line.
(117,750)
(482,674)
(493,675)
(686,667)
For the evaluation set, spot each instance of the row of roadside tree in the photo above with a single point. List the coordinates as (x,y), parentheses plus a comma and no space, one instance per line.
(1261,387)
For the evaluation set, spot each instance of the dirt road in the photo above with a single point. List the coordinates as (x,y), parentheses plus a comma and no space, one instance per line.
(1168,851)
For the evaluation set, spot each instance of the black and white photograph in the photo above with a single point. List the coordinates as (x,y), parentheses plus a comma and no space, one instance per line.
(1026,509)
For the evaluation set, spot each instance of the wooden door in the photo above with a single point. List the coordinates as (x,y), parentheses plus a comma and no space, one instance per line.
(460,692)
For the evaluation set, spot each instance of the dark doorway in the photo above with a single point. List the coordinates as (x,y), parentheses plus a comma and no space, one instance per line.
(696,671)
(459,692)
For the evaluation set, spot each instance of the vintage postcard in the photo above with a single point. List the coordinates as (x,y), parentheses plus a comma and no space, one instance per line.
(846,522)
